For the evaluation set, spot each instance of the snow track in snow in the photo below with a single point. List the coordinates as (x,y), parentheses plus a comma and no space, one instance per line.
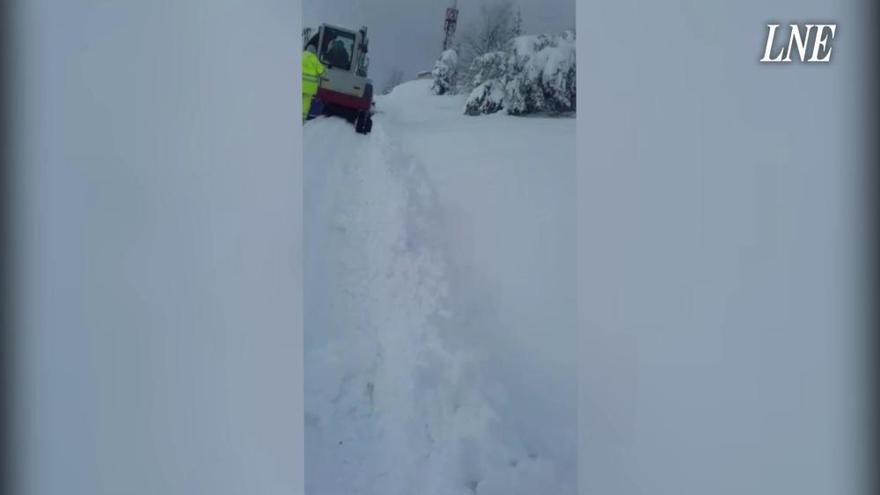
(390,409)
(386,402)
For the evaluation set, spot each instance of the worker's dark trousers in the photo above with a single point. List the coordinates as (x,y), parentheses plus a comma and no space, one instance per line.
(307,105)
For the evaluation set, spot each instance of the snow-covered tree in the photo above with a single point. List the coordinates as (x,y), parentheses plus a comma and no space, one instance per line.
(534,74)
(445,72)
(497,24)
(558,78)
(488,72)
(492,65)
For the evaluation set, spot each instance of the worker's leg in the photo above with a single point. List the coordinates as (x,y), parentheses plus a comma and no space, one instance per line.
(307,105)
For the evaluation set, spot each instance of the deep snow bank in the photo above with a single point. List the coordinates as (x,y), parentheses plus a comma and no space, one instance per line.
(440,302)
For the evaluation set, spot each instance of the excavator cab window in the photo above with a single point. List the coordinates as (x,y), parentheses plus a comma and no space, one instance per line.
(337,48)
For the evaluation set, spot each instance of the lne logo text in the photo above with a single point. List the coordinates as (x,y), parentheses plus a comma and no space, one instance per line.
(813,40)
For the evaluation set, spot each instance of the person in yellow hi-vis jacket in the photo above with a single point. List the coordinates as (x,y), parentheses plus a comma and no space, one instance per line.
(312,72)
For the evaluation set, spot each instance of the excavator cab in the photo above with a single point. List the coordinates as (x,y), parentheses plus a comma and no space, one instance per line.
(345,90)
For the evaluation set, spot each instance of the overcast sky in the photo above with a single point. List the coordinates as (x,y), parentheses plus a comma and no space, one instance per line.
(409,33)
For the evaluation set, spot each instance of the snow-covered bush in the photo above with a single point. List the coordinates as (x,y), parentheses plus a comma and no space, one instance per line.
(444,73)
(486,98)
(536,73)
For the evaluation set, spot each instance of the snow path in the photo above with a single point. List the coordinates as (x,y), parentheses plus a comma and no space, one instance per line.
(390,409)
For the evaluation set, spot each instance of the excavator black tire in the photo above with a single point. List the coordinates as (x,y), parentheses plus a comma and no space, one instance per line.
(364,123)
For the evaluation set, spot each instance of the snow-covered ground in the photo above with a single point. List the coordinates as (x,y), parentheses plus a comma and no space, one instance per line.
(440,302)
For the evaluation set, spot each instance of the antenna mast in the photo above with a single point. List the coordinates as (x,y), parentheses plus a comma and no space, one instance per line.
(449,25)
